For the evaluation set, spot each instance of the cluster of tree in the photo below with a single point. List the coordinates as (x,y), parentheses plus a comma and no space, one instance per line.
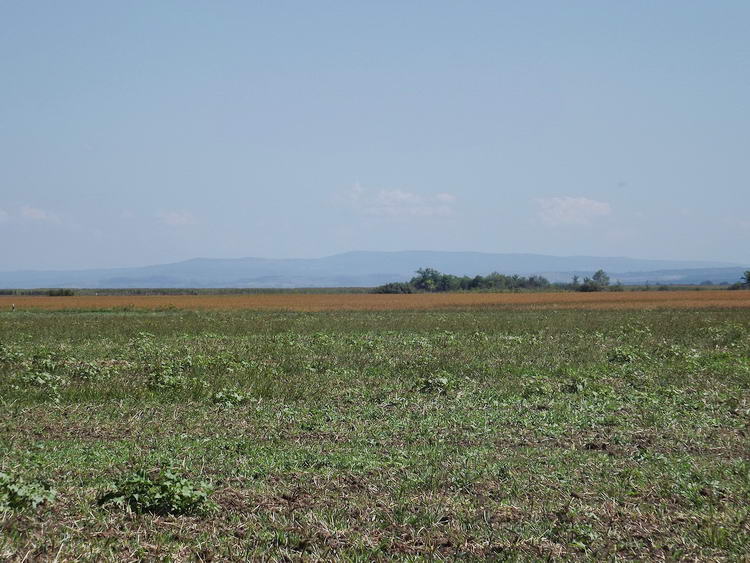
(51,292)
(431,280)
(744,282)
(60,292)
(56,292)
(598,282)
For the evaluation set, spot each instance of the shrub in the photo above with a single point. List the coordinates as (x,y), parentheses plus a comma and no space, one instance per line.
(598,282)
(589,285)
(159,492)
(18,494)
(395,287)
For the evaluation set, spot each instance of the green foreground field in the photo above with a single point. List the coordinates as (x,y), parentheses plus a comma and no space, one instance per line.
(368,435)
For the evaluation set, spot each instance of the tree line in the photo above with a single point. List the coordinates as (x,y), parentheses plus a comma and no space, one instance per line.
(431,280)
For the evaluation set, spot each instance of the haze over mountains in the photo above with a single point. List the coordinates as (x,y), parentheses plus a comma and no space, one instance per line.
(363,269)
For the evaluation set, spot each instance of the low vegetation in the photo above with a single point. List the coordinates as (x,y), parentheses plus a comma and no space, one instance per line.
(18,494)
(598,282)
(158,492)
(480,434)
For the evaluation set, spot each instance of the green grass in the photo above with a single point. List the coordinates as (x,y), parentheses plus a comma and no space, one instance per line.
(356,435)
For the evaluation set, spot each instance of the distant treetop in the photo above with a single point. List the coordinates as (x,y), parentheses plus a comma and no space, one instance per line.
(431,280)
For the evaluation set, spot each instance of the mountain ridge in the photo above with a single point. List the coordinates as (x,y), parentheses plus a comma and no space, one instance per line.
(367,268)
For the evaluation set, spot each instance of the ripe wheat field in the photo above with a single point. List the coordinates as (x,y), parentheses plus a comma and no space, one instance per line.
(371,302)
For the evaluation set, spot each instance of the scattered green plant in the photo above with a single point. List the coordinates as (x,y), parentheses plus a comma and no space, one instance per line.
(159,492)
(623,355)
(459,434)
(87,370)
(439,383)
(230,397)
(19,494)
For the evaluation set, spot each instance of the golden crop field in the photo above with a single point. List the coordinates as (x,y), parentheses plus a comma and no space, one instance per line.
(378,302)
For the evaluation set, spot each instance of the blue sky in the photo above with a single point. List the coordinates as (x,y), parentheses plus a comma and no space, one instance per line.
(145,132)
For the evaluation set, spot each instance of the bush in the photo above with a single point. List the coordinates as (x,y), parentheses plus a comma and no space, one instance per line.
(590,285)
(598,282)
(18,494)
(159,492)
(395,287)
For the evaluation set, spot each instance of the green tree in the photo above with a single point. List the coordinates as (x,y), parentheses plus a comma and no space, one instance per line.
(427,279)
(746,279)
(598,282)
(601,277)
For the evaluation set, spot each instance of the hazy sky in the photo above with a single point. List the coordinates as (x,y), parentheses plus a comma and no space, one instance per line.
(143,132)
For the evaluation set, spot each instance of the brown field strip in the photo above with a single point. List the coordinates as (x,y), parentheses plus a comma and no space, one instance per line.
(720,299)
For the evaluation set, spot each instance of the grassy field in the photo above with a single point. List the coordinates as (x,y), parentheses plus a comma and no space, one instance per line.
(372,302)
(481,434)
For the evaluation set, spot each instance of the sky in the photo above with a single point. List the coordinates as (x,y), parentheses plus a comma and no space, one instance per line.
(142,132)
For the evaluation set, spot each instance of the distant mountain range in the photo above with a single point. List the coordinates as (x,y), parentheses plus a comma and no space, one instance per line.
(363,269)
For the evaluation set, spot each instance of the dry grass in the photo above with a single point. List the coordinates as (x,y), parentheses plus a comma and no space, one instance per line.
(719,299)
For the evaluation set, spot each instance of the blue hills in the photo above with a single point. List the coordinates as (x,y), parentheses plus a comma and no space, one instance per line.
(362,269)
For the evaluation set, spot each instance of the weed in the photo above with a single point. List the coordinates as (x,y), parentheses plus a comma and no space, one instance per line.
(42,379)
(451,434)
(623,355)
(230,397)
(166,374)
(159,492)
(19,494)
(10,354)
(87,370)
(47,383)
(439,383)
